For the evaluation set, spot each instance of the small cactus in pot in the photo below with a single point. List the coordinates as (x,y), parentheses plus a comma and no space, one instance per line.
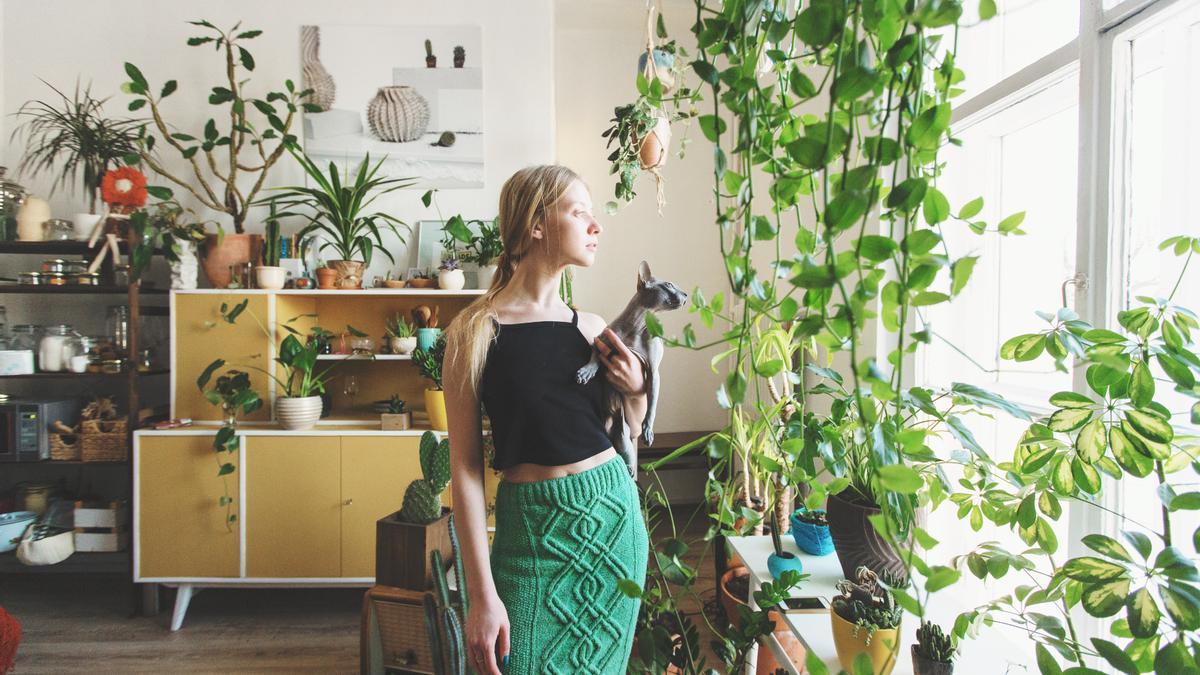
(423,498)
(934,652)
(430,59)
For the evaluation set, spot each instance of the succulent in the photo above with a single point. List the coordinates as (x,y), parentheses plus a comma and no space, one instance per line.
(423,498)
(814,517)
(867,603)
(396,406)
(399,327)
(450,264)
(933,644)
(430,362)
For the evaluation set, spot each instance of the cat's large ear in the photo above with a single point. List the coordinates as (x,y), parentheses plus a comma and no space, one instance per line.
(643,275)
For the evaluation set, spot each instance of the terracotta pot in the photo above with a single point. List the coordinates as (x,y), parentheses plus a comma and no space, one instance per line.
(422,283)
(326,278)
(792,646)
(855,539)
(924,666)
(235,249)
(349,272)
(882,645)
(655,147)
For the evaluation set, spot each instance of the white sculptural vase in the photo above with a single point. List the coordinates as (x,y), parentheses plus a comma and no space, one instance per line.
(398,114)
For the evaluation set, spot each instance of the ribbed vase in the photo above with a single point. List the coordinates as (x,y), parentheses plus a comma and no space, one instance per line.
(398,114)
(315,76)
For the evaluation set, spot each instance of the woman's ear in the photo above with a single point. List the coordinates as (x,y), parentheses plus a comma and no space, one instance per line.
(536,232)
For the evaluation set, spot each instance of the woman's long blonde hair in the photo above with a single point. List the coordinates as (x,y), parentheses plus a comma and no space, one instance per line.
(528,197)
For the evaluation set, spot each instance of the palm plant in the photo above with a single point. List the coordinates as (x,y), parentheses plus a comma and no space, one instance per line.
(74,135)
(337,208)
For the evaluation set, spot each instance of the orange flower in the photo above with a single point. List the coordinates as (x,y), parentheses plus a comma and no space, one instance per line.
(124,186)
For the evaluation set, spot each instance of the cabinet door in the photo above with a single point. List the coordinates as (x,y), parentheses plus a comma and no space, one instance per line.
(201,336)
(182,532)
(292,510)
(376,470)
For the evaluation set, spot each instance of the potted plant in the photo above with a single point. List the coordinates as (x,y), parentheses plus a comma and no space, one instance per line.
(734,594)
(215,156)
(482,249)
(780,560)
(401,335)
(422,279)
(407,537)
(269,274)
(430,364)
(460,56)
(74,135)
(398,417)
(430,59)
(168,227)
(849,512)
(934,652)
(337,211)
(866,620)
(450,274)
(810,531)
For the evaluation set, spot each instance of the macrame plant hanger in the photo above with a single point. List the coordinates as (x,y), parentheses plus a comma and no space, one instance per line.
(650,71)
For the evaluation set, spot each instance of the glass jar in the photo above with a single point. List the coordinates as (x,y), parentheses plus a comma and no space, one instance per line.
(55,350)
(11,197)
(117,327)
(25,336)
(58,229)
(121,275)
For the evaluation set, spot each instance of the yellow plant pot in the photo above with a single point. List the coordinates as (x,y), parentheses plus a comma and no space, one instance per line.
(882,645)
(435,404)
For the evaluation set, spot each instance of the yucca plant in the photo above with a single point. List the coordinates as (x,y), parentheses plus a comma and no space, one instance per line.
(337,208)
(74,135)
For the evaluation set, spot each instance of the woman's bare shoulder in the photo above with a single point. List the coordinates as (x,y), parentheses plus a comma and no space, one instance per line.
(591,324)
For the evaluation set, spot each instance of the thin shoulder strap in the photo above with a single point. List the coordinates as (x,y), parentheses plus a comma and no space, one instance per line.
(574,317)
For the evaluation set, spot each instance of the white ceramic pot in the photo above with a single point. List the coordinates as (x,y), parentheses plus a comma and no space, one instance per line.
(270,278)
(298,413)
(186,272)
(85,223)
(403,345)
(486,274)
(451,280)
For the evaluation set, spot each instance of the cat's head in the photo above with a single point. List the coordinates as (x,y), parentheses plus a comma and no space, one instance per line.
(657,294)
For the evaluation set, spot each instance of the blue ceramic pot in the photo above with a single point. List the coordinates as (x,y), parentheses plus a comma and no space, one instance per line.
(778,563)
(426,337)
(810,538)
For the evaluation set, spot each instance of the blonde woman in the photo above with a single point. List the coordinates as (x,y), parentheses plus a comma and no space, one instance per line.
(568,522)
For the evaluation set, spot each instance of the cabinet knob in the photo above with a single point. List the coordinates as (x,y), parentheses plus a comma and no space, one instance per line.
(348,502)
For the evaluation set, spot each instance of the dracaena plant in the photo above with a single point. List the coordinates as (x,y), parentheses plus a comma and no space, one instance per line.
(238,146)
(337,208)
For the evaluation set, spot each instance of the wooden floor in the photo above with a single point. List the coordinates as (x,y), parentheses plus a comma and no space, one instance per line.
(85,623)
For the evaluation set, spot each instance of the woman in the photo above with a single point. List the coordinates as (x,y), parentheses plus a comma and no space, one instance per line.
(568,521)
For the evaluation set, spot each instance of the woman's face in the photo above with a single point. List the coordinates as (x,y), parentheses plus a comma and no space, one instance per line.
(578,232)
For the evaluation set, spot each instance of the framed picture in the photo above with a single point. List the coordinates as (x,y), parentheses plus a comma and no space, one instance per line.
(410,95)
(429,247)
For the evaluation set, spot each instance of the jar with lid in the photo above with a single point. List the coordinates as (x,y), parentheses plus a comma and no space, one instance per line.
(121,275)
(56,348)
(58,229)
(117,327)
(25,337)
(11,198)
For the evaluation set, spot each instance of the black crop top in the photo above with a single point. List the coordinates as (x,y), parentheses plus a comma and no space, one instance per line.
(539,413)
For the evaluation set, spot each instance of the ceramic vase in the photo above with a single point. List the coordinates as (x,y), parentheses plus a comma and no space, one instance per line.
(655,146)
(270,278)
(451,280)
(398,114)
(186,272)
(298,413)
(315,76)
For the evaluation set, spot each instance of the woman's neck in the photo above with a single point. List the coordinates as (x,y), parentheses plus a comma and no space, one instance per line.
(534,287)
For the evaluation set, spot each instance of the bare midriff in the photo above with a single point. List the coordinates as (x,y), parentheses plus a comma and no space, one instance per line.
(530,473)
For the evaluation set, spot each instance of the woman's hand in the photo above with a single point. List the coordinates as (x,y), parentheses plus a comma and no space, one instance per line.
(487,635)
(622,367)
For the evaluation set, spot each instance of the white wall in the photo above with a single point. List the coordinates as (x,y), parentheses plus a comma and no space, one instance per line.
(61,40)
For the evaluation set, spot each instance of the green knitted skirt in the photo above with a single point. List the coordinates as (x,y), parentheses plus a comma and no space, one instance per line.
(560,549)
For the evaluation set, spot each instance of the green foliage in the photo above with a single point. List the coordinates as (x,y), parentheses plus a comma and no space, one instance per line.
(396,405)
(430,361)
(336,208)
(399,326)
(74,135)
(165,226)
(935,645)
(423,497)
(271,242)
(231,390)
(255,126)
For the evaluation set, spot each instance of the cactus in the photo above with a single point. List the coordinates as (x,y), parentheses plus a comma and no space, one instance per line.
(428,49)
(423,497)
(933,644)
(866,603)
(444,614)
(271,240)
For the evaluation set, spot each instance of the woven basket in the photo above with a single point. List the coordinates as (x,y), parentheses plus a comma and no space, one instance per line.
(105,440)
(65,447)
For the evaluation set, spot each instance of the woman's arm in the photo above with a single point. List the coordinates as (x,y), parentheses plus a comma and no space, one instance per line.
(466,472)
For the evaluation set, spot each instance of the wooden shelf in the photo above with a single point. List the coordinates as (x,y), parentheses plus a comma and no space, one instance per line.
(358,292)
(76,290)
(73,247)
(59,462)
(356,357)
(119,562)
(70,376)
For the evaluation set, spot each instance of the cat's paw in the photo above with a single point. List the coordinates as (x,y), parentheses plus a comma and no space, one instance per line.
(647,433)
(586,373)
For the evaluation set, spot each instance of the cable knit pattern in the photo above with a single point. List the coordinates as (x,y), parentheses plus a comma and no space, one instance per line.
(560,548)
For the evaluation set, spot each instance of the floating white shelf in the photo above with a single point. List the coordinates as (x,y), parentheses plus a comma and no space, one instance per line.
(351,357)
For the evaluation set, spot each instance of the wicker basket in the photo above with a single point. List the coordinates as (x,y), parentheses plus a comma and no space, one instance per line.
(105,440)
(65,447)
